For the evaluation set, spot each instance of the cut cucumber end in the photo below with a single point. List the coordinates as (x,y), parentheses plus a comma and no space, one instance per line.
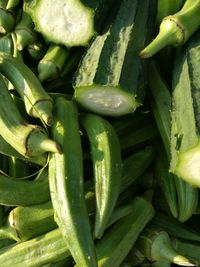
(106,100)
(188,166)
(73,24)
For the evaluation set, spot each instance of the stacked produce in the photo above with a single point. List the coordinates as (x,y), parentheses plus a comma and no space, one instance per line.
(99,139)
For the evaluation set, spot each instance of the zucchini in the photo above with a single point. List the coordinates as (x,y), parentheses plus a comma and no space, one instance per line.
(185,130)
(66,184)
(111,78)
(107,166)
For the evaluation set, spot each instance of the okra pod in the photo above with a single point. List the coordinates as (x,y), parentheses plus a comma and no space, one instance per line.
(37,102)
(107,167)
(49,67)
(66,184)
(16,192)
(29,140)
(175,29)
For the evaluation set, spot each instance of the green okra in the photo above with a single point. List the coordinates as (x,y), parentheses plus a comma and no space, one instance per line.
(175,29)
(166,8)
(37,102)
(182,198)
(24,30)
(37,49)
(7,20)
(44,249)
(116,243)
(156,245)
(188,249)
(185,113)
(66,184)
(6,44)
(17,192)
(107,167)
(174,228)
(27,139)
(12,3)
(49,67)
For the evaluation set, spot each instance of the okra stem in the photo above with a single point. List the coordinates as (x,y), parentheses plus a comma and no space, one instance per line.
(176,29)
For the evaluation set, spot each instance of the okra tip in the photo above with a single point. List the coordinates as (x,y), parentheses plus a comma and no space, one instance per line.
(48,119)
(50,146)
(182,261)
(171,33)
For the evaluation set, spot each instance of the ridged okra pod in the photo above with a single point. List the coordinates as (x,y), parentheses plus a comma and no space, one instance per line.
(66,184)
(44,249)
(37,102)
(115,244)
(49,67)
(16,192)
(185,142)
(111,78)
(27,139)
(182,198)
(107,167)
(175,29)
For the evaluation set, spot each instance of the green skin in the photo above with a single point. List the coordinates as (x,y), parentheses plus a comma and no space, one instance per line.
(176,29)
(66,184)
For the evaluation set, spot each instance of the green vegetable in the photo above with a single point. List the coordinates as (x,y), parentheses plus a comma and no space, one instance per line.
(175,29)
(66,184)
(107,166)
(111,77)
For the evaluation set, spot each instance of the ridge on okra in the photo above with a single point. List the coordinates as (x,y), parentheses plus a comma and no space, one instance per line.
(68,22)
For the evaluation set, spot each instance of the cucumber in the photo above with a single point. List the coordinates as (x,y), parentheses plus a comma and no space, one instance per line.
(66,184)
(185,142)
(68,22)
(111,78)
(107,165)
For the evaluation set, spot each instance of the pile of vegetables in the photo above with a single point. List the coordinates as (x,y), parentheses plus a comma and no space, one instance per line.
(99,139)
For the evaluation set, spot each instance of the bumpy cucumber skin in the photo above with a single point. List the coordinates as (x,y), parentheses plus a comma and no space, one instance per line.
(66,184)
(109,80)
(107,166)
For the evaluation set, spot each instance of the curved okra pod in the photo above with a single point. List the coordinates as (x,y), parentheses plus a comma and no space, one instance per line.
(107,166)
(27,139)
(7,20)
(16,192)
(66,184)
(51,64)
(37,102)
(175,29)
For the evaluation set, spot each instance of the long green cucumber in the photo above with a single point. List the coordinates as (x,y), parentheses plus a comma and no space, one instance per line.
(16,192)
(27,139)
(68,22)
(185,113)
(181,197)
(108,80)
(37,102)
(107,166)
(120,238)
(66,184)
(44,249)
